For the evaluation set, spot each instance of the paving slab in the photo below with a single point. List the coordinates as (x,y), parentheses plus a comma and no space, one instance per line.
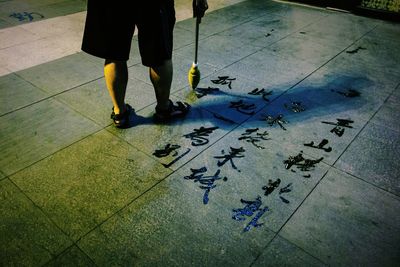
(265,67)
(65,73)
(15,36)
(34,132)
(214,22)
(38,10)
(72,257)
(97,102)
(16,93)
(218,51)
(386,30)
(80,194)
(166,227)
(149,137)
(56,26)
(4,71)
(372,156)
(28,237)
(304,47)
(340,28)
(283,253)
(367,49)
(346,221)
(387,115)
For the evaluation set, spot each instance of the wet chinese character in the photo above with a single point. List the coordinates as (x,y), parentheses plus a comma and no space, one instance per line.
(222,118)
(206,182)
(301,163)
(262,92)
(271,186)
(176,159)
(198,136)
(223,80)
(200,92)
(242,107)
(356,50)
(321,145)
(251,207)
(275,120)
(285,190)
(253,137)
(22,16)
(166,151)
(234,153)
(295,107)
(349,93)
(340,125)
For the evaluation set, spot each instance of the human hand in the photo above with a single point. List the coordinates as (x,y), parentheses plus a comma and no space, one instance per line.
(199,8)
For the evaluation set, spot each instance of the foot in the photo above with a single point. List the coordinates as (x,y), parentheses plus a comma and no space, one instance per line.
(178,110)
(122,120)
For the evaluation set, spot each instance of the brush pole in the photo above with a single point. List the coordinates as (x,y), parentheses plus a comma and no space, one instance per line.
(198,20)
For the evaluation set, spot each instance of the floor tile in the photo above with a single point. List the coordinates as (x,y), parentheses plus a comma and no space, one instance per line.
(4,71)
(367,49)
(166,227)
(346,221)
(385,30)
(21,94)
(218,51)
(65,73)
(387,115)
(34,132)
(373,157)
(305,48)
(28,237)
(15,36)
(264,67)
(340,28)
(98,101)
(214,22)
(78,195)
(283,253)
(72,257)
(57,26)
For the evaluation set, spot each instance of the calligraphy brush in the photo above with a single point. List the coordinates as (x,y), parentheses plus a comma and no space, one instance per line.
(194,72)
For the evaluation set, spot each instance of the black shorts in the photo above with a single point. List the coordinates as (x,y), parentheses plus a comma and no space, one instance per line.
(109,29)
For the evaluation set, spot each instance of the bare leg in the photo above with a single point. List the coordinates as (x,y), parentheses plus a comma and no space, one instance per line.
(116,76)
(161,78)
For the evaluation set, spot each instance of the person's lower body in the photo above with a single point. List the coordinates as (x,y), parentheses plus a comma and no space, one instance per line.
(108,34)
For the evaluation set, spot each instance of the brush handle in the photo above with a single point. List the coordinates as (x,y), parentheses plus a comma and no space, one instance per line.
(198,20)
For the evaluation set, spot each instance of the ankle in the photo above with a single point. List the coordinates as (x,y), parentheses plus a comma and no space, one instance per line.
(163,106)
(119,110)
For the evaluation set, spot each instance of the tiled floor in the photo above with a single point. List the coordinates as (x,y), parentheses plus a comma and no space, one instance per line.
(240,187)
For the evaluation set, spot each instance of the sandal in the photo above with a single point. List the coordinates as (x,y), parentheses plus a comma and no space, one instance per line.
(122,120)
(174,111)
